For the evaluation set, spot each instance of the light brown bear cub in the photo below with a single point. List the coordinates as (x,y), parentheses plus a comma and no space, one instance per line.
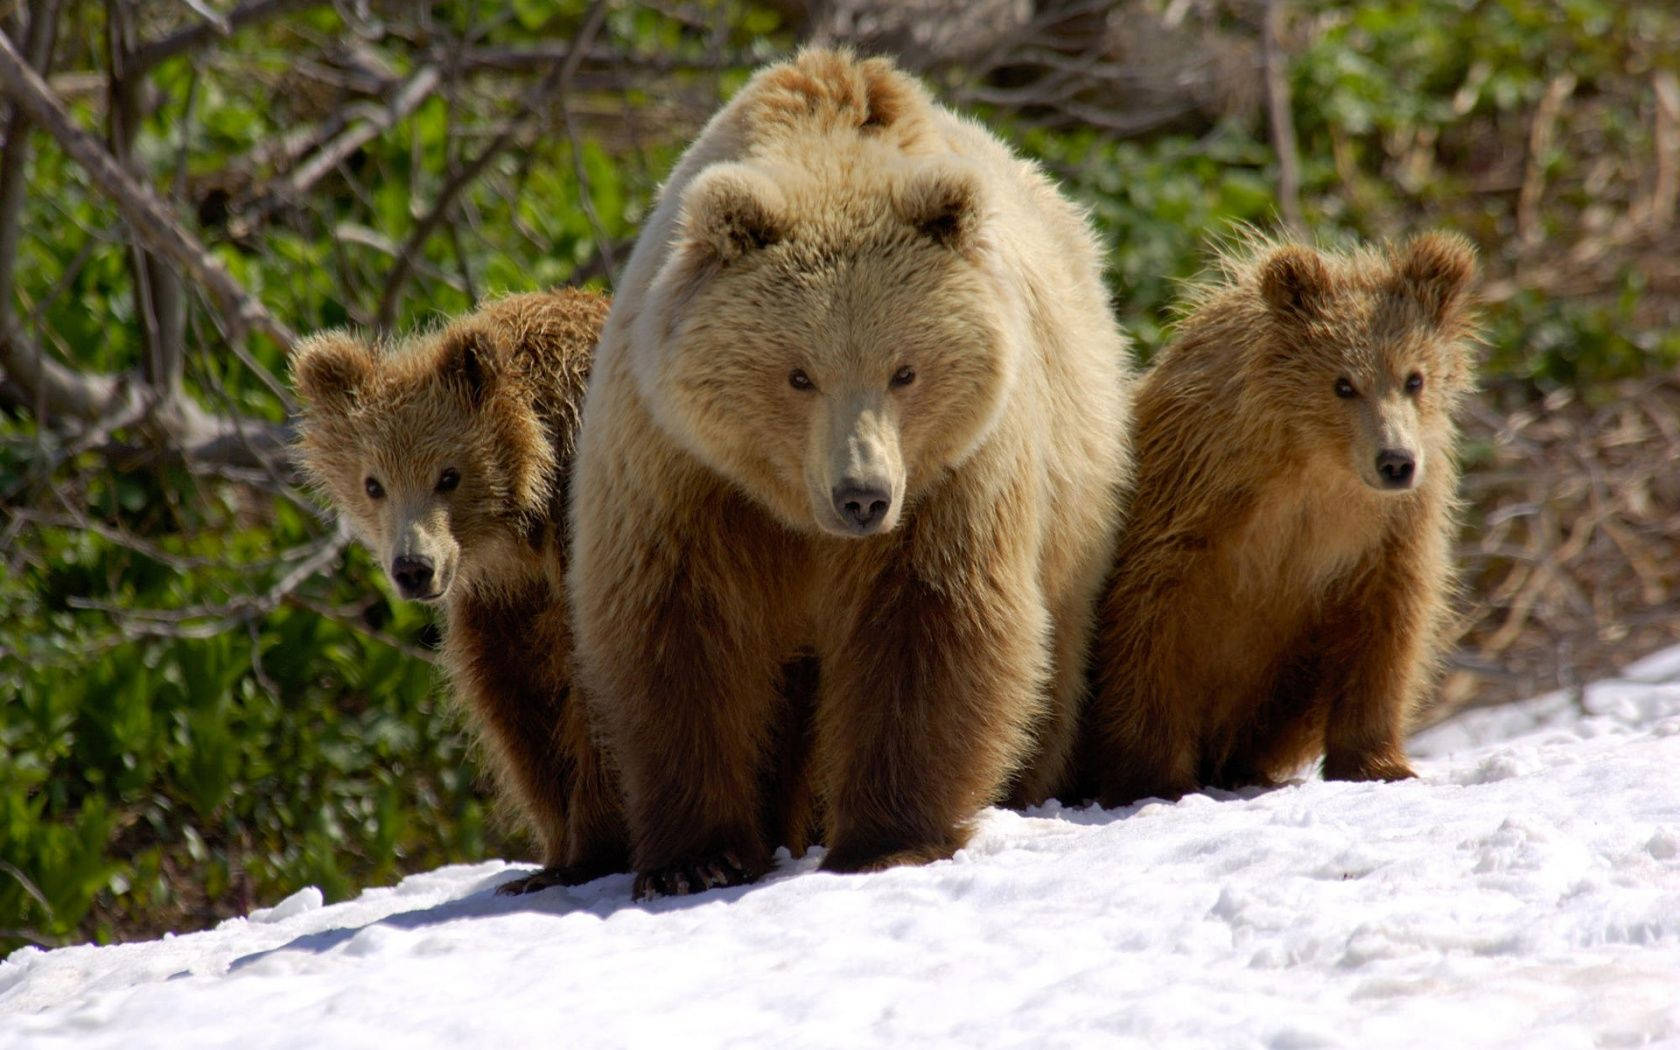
(449,454)
(861,393)
(1283,577)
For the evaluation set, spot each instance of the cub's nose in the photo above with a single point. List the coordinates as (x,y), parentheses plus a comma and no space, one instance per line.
(413,574)
(1396,467)
(862,507)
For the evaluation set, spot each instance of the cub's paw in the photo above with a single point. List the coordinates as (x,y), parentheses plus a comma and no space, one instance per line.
(697,876)
(1368,767)
(1126,792)
(554,875)
(848,862)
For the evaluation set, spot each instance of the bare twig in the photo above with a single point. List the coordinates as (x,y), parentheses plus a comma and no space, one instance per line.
(208,621)
(1540,135)
(240,311)
(159,304)
(1665,187)
(1280,117)
(29,888)
(204,33)
(215,19)
(378,120)
(530,111)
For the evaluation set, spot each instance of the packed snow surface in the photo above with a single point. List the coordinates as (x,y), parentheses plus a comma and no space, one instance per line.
(1524,892)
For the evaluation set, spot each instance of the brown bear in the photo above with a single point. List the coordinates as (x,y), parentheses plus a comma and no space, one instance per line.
(861,393)
(449,454)
(1280,586)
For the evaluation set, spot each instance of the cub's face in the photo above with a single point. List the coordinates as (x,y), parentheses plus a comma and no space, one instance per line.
(420,449)
(1375,355)
(833,372)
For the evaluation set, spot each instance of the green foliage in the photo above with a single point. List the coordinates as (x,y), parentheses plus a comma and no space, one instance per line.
(177,778)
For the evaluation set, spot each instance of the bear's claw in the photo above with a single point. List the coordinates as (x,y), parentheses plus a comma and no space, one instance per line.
(542,879)
(695,876)
(1367,768)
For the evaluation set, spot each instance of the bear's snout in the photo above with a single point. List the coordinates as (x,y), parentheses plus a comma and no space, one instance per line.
(413,575)
(862,507)
(1397,468)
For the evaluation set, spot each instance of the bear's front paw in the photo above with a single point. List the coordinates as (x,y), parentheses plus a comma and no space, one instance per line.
(553,875)
(1136,789)
(851,862)
(1368,767)
(696,876)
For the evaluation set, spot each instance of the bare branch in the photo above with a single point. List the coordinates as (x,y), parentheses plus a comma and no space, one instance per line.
(1280,117)
(1540,136)
(43,25)
(207,621)
(215,19)
(139,205)
(158,301)
(529,110)
(415,90)
(204,33)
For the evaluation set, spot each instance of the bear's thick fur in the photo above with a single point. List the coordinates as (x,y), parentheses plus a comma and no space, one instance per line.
(449,454)
(1282,581)
(861,392)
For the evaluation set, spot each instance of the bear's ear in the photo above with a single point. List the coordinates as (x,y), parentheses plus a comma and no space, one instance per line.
(472,359)
(944,205)
(1295,282)
(730,210)
(1436,269)
(330,369)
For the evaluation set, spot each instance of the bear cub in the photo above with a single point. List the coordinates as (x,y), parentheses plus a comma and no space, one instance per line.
(1281,586)
(449,455)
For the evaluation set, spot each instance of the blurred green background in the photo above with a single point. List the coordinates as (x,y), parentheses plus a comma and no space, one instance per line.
(207,700)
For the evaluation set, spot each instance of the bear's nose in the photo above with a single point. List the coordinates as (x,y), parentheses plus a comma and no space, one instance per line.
(1396,467)
(862,507)
(413,574)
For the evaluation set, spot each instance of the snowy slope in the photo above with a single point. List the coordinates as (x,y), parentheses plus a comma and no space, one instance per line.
(1524,893)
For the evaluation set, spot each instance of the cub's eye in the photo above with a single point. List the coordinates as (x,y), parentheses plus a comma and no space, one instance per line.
(1344,388)
(374,489)
(1414,383)
(448,480)
(800,381)
(904,376)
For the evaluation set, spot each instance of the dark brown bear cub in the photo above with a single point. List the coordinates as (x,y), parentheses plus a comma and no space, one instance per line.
(1281,584)
(449,454)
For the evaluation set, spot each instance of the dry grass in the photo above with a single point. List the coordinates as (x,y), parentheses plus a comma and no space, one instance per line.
(1570,554)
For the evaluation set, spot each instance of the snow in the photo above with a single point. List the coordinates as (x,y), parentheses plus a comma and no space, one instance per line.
(1524,892)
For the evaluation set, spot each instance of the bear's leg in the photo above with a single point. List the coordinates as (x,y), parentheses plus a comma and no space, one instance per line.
(1050,772)
(1144,721)
(680,638)
(508,655)
(1281,731)
(928,697)
(790,810)
(1373,670)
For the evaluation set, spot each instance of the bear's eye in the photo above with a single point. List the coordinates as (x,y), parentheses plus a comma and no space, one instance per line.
(904,376)
(448,480)
(800,381)
(1414,383)
(374,489)
(1344,388)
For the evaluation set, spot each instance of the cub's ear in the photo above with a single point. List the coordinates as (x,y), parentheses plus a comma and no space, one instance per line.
(1437,269)
(330,369)
(730,210)
(471,357)
(1295,282)
(944,205)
